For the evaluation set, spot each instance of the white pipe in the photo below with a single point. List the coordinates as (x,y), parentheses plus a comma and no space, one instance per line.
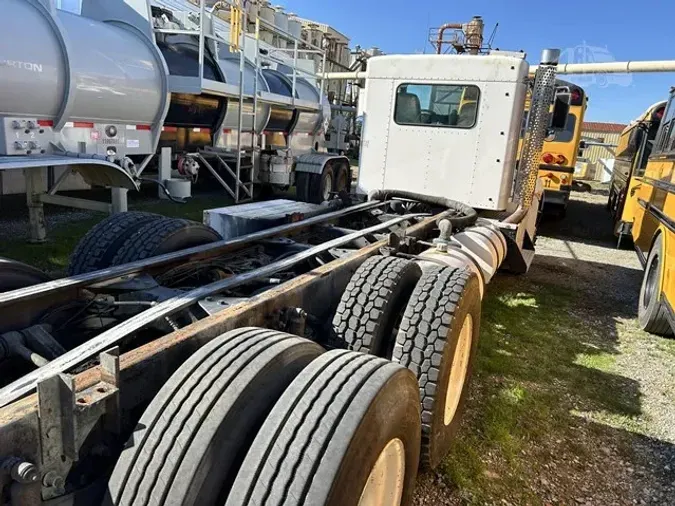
(343,76)
(616,67)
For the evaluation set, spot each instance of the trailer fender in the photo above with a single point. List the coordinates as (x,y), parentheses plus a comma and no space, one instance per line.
(314,163)
(94,171)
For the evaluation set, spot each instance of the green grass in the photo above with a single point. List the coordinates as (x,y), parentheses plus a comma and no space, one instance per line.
(52,256)
(539,366)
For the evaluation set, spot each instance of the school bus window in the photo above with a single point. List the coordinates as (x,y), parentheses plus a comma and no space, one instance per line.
(439,105)
(666,141)
(566,135)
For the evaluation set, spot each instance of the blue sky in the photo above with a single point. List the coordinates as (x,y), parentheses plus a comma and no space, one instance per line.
(600,30)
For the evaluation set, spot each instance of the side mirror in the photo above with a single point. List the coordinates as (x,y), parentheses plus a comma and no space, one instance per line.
(561,110)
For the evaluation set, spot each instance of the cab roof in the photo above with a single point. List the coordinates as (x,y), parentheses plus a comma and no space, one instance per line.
(508,67)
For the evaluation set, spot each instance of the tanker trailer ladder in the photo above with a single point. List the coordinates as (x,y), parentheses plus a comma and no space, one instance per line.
(268,112)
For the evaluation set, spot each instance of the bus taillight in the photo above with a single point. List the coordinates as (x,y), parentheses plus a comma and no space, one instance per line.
(561,160)
(548,158)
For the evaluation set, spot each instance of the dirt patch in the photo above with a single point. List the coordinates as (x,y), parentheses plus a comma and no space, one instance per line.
(571,403)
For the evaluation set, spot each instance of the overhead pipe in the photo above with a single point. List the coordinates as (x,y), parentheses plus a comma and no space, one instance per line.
(441,32)
(626,67)
(615,67)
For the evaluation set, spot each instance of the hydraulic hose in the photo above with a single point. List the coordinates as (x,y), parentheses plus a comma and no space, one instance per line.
(468,214)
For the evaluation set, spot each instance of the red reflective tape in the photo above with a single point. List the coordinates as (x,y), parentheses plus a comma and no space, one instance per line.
(82,124)
(143,127)
(45,123)
(170,129)
(227,130)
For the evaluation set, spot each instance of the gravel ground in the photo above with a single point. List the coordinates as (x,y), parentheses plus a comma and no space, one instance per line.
(595,455)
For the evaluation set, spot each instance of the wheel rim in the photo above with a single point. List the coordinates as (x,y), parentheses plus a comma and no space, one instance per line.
(327,186)
(385,482)
(460,365)
(650,286)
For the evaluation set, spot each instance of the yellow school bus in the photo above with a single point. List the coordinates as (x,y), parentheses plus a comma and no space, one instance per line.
(650,209)
(560,152)
(632,153)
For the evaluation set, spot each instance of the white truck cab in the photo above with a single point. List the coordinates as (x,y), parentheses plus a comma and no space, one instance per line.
(444,126)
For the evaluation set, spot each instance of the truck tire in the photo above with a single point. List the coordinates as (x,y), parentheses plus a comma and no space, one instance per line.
(652,310)
(97,248)
(437,341)
(192,438)
(15,275)
(164,236)
(315,188)
(345,430)
(369,311)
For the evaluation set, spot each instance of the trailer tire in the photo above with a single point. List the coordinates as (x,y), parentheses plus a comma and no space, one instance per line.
(192,438)
(15,275)
(315,188)
(99,246)
(378,292)
(348,423)
(652,311)
(437,341)
(343,180)
(302,186)
(164,236)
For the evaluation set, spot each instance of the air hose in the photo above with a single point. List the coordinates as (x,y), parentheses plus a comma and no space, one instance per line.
(467,214)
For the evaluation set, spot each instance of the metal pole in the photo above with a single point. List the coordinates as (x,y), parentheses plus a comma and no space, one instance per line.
(119,199)
(240,121)
(202,16)
(254,132)
(35,186)
(323,69)
(295,66)
(616,67)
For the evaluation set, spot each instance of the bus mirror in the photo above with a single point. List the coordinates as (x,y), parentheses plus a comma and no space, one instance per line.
(561,109)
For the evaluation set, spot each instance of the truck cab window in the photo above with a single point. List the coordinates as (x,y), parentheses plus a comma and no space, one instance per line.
(440,105)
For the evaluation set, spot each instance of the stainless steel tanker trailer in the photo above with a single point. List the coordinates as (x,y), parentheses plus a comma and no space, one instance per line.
(103,92)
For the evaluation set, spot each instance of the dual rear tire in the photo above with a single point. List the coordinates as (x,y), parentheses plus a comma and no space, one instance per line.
(131,236)
(316,188)
(262,417)
(435,336)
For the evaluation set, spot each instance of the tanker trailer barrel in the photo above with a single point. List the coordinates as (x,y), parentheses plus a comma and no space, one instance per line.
(78,88)
(75,70)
